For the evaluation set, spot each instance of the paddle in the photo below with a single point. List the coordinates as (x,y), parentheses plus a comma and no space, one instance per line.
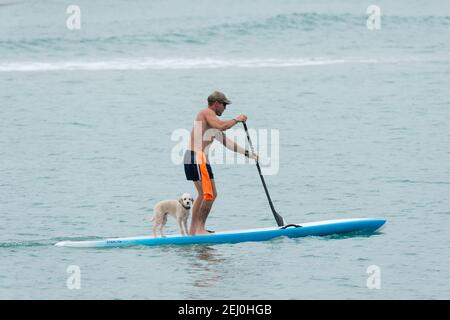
(279,219)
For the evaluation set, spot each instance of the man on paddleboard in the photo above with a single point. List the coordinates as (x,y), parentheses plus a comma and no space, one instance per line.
(208,127)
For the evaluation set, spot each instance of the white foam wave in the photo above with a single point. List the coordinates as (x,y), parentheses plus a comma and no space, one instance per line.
(169,63)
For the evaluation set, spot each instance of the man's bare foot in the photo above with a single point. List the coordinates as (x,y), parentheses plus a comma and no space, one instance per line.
(200,233)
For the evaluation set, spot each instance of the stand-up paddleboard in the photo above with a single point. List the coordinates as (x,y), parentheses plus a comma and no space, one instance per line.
(320,228)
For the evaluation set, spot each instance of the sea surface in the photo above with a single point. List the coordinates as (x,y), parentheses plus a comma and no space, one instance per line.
(87,118)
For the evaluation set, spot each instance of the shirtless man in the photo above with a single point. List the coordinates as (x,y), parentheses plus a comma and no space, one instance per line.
(208,127)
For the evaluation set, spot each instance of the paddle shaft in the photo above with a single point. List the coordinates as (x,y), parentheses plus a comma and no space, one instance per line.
(279,219)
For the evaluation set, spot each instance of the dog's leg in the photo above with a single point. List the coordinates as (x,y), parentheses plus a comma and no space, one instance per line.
(180,225)
(155,220)
(155,229)
(185,226)
(163,224)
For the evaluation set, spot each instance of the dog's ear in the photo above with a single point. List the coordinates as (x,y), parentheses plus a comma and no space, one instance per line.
(180,201)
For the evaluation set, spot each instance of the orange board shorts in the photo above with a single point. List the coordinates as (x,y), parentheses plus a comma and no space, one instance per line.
(196,168)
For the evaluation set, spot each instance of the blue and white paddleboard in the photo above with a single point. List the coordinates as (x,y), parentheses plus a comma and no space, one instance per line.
(320,228)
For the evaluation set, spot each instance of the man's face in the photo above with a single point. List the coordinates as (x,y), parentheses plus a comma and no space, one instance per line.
(220,107)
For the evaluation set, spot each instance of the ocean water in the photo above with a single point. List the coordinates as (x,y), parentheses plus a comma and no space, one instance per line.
(86,124)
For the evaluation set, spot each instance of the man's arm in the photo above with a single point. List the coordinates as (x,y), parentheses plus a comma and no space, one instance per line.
(233,146)
(214,122)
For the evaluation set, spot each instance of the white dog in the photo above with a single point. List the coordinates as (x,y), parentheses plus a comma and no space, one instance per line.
(177,208)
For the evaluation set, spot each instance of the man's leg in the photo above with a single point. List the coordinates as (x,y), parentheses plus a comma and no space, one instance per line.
(195,221)
(201,210)
(210,203)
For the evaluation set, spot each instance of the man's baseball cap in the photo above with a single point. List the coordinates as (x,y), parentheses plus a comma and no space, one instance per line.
(219,97)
